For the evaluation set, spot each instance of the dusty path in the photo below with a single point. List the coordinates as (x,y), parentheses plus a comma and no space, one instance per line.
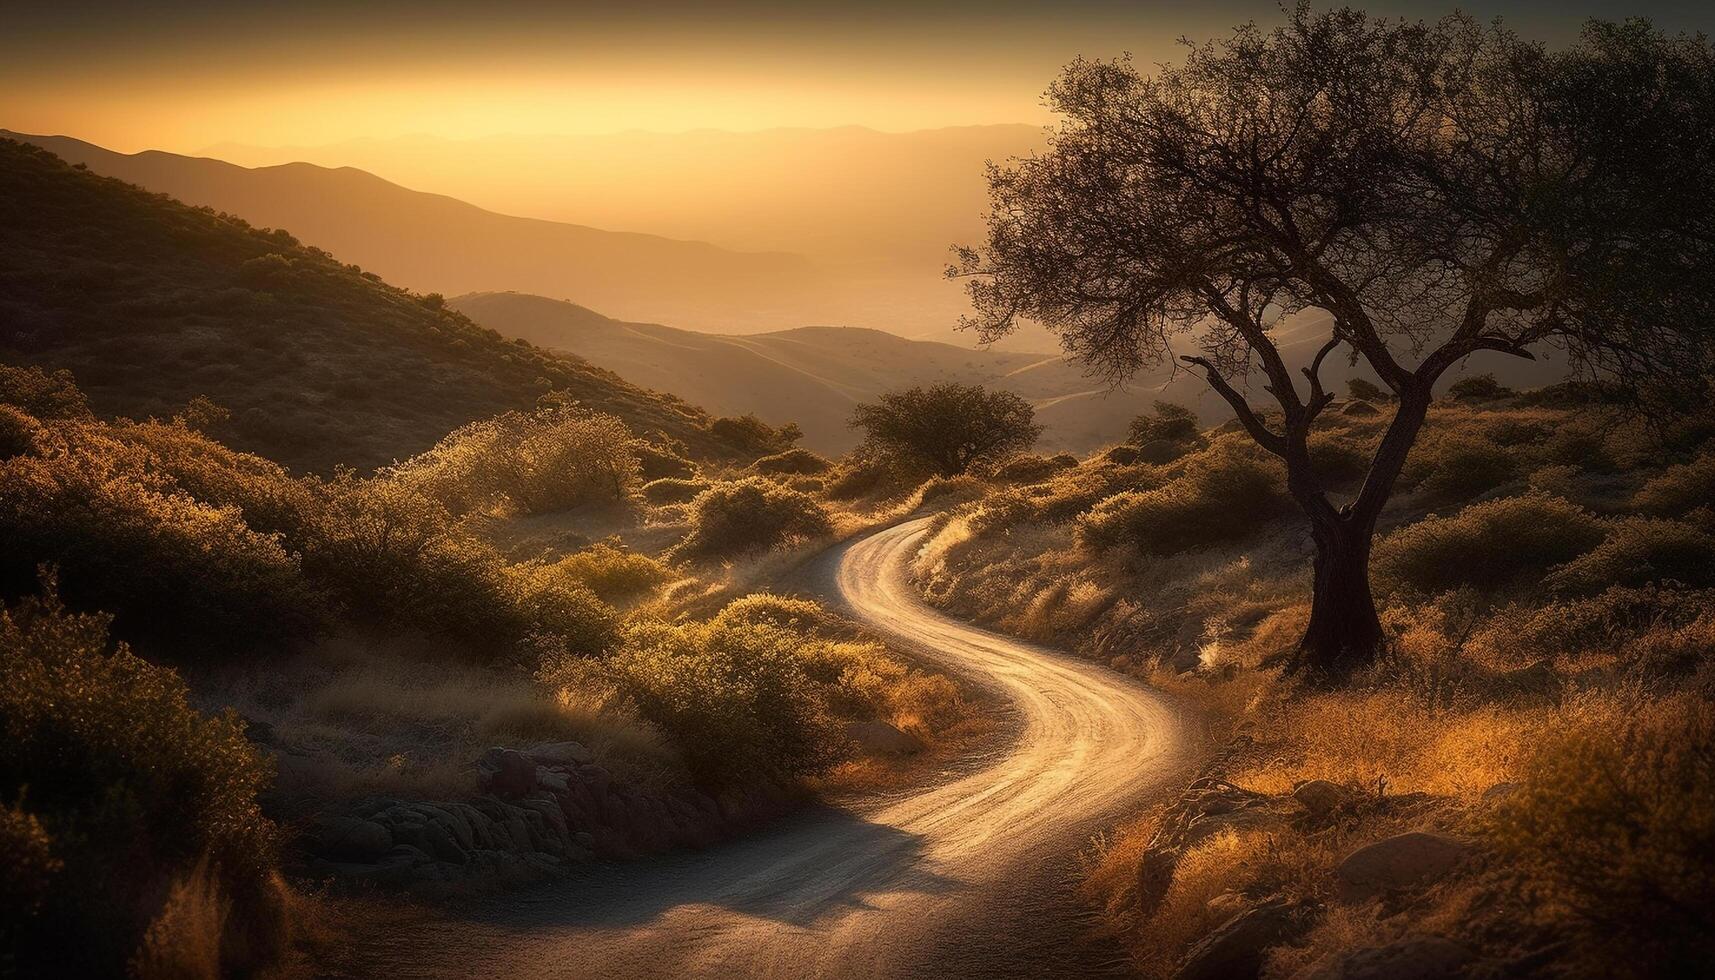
(969,878)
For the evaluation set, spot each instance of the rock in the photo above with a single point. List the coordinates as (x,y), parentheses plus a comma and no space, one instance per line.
(507,773)
(1420,958)
(553,780)
(1358,406)
(561,753)
(1402,861)
(880,738)
(1203,828)
(1235,950)
(1319,796)
(346,838)
(1228,904)
(1499,791)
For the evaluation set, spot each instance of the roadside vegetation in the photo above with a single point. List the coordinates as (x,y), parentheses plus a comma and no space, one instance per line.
(214,658)
(1542,700)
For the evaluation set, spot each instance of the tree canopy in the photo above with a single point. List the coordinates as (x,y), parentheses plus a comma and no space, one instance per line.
(949,426)
(1434,190)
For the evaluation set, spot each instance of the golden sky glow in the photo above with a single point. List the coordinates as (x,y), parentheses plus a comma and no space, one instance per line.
(133,76)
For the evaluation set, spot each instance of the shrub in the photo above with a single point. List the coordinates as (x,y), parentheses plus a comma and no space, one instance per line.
(662,462)
(1478,387)
(749,435)
(612,573)
(1612,829)
(1365,391)
(1337,460)
(128,539)
(1638,551)
(111,788)
(1223,496)
(1457,466)
(671,490)
(750,515)
(1492,545)
(1679,488)
(782,612)
(948,427)
(1605,622)
(871,469)
(792,462)
(552,459)
(1029,468)
(735,696)
(43,395)
(1169,423)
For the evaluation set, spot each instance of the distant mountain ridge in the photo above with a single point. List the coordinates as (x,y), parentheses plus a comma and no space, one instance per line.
(809,375)
(433,243)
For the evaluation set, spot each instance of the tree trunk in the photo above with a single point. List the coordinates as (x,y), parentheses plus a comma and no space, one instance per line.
(1344,633)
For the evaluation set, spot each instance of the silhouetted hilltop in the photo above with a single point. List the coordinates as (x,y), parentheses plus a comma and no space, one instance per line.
(151,302)
(429,242)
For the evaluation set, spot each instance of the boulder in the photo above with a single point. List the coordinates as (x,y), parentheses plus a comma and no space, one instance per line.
(507,773)
(1235,949)
(1319,796)
(879,738)
(1121,455)
(561,754)
(340,837)
(1418,958)
(1499,791)
(1402,861)
(1160,451)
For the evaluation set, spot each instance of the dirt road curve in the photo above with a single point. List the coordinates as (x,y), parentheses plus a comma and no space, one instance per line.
(970,878)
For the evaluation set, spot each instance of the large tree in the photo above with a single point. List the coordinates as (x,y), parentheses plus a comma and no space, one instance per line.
(948,426)
(1432,189)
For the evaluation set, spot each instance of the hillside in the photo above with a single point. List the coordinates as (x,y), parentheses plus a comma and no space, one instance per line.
(809,375)
(150,303)
(432,243)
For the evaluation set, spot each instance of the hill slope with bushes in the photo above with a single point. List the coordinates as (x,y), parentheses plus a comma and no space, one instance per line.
(151,303)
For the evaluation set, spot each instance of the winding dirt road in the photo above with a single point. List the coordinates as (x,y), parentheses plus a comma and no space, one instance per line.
(970,878)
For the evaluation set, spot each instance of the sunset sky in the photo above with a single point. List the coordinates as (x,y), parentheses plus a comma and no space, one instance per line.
(190,75)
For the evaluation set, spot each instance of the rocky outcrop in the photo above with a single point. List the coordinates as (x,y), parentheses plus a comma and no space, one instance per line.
(1418,958)
(537,812)
(1401,861)
(1236,948)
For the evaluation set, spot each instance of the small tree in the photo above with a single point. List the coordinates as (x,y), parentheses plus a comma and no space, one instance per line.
(949,426)
(1435,189)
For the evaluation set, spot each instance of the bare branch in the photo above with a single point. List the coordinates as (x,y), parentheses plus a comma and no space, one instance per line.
(1248,417)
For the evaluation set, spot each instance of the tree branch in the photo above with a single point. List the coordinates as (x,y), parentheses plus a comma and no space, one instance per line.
(1319,398)
(1247,416)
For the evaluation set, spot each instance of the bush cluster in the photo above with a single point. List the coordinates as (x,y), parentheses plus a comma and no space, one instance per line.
(552,459)
(112,790)
(1223,494)
(750,514)
(1492,546)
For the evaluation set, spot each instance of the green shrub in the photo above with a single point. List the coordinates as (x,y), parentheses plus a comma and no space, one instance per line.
(750,515)
(1457,466)
(672,490)
(792,462)
(782,612)
(1612,830)
(1638,551)
(1492,545)
(112,787)
(1679,488)
(1223,496)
